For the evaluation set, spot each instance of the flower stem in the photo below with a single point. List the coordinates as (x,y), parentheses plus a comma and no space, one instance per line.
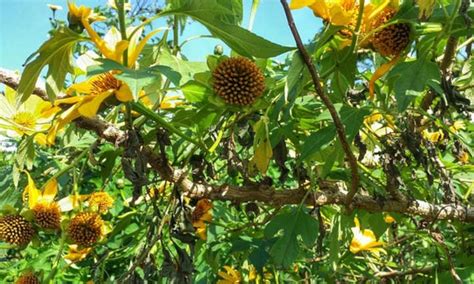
(54,267)
(123,28)
(253,13)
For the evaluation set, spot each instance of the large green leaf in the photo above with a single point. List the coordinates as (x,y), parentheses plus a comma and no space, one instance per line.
(135,79)
(56,53)
(294,222)
(215,17)
(316,141)
(411,78)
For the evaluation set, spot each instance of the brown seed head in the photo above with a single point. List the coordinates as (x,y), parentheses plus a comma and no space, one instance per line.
(238,81)
(15,229)
(393,39)
(47,215)
(85,229)
(28,278)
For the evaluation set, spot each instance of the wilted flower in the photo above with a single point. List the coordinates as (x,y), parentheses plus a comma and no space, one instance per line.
(76,254)
(201,216)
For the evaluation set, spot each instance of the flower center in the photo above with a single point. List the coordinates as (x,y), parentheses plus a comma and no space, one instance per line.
(105,82)
(25,119)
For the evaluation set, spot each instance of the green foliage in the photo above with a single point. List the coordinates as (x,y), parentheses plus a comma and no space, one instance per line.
(56,53)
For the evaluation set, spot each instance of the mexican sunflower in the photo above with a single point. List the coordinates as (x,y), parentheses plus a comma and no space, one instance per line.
(34,116)
(387,39)
(46,211)
(364,240)
(86,97)
(201,216)
(230,276)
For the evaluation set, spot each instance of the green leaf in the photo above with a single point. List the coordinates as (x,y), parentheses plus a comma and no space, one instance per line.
(214,16)
(56,53)
(135,79)
(195,92)
(262,147)
(186,69)
(352,118)
(294,222)
(316,141)
(411,78)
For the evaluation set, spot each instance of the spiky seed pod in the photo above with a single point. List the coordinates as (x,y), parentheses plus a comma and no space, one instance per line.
(393,39)
(15,229)
(28,278)
(85,229)
(47,215)
(238,81)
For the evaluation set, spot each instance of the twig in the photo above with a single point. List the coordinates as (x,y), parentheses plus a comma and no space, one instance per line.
(327,102)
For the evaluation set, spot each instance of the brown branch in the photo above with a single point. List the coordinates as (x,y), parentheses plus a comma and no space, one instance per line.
(327,102)
(328,194)
(12,80)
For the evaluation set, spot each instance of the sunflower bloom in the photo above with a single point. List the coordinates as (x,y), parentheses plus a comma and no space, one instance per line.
(46,211)
(230,276)
(32,117)
(90,95)
(112,46)
(201,216)
(364,240)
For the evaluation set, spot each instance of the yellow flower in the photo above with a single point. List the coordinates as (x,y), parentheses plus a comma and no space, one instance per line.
(112,46)
(47,212)
(337,12)
(457,125)
(433,137)
(230,276)
(75,254)
(101,200)
(201,216)
(91,94)
(364,240)
(388,219)
(31,117)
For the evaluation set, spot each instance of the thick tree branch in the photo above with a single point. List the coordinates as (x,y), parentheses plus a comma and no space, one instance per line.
(12,80)
(327,102)
(328,193)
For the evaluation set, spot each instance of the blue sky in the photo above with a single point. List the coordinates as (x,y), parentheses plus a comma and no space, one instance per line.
(24,26)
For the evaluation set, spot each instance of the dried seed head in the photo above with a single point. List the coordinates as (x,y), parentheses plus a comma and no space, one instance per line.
(15,229)
(85,229)
(47,215)
(28,278)
(393,39)
(238,81)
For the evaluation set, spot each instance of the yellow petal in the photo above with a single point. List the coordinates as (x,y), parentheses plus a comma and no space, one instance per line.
(135,50)
(298,4)
(90,108)
(124,94)
(50,190)
(32,192)
(66,117)
(382,70)
(41,139)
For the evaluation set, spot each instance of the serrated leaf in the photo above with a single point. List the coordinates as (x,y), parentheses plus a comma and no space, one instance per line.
(56,53)
(411,78)
(293,223)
